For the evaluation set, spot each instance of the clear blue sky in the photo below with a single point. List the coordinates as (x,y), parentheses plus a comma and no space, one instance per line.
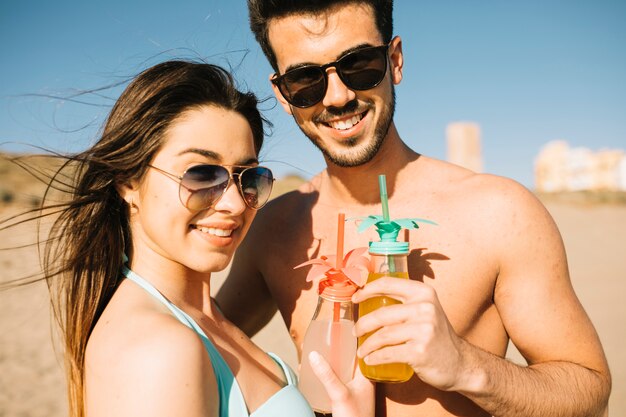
(527,71)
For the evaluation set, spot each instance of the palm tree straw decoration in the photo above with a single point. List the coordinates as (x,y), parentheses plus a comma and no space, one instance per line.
(386,228)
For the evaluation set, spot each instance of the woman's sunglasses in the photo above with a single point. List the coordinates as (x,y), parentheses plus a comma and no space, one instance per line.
(201,186)
(359,70)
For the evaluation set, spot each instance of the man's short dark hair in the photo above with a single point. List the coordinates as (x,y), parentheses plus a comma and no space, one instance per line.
(262,11)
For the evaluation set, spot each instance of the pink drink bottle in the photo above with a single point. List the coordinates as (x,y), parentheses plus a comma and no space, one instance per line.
(329,334)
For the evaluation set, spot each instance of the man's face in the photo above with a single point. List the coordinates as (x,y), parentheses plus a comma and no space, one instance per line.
(347,125)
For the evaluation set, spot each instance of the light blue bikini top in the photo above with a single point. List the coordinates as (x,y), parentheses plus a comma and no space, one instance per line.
(287,402)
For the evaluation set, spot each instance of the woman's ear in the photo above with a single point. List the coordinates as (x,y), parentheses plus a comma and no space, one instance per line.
(129,193)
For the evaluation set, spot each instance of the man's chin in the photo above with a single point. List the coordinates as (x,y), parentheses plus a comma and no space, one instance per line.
(349,160)
(352,154)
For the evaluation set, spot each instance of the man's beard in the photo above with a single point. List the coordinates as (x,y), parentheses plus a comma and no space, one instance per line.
(370,149)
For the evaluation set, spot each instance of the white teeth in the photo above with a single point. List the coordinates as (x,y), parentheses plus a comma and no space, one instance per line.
(346,124)
(215,232)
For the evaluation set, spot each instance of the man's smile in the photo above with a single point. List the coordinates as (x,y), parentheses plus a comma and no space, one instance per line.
(345,124)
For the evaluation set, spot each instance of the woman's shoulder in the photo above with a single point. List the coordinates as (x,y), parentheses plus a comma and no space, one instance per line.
(139,350)
(137,328)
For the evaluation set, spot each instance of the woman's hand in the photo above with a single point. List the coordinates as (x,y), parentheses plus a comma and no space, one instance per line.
(355,399)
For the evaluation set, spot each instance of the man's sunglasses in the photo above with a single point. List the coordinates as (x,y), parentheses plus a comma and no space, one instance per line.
(201,186)
(359,70)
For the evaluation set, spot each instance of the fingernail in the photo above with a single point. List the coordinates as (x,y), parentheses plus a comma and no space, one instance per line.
(314,358)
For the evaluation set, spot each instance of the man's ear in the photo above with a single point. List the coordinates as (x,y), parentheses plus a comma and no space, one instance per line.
(279,96)
(396,59)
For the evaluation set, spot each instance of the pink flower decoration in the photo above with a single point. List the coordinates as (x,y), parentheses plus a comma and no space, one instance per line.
(350,271)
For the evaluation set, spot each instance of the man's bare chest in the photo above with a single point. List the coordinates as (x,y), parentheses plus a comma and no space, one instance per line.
(457,267)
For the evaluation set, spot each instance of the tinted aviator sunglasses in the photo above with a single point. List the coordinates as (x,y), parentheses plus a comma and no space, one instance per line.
(201,186)
(362,69)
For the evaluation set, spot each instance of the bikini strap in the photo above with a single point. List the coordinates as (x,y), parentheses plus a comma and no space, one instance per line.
(291,377)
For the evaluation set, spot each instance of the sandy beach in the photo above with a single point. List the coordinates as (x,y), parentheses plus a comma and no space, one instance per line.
(31,377)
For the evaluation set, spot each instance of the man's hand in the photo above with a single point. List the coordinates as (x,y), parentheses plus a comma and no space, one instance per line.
(416,332)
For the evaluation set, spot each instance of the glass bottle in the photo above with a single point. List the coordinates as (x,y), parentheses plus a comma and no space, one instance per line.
(387,259)
(330,334)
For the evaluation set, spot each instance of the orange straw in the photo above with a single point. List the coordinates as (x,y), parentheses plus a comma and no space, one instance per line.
(341,221)
(339,261)
(335,326)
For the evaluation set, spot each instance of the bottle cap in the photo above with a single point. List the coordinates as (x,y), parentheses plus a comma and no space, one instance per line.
(389,248)
(337,288)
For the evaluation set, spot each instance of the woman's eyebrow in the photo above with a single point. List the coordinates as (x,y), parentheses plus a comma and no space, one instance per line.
(203,152)
(216,156)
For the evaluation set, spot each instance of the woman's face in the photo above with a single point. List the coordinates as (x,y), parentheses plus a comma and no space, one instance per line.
(163,229)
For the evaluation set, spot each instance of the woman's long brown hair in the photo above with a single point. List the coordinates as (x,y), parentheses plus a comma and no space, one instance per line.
(84,251)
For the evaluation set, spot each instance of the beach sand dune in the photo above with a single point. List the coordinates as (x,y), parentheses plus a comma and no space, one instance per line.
(31,377)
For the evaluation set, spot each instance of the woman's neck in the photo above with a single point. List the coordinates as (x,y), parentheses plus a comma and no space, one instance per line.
(184,287)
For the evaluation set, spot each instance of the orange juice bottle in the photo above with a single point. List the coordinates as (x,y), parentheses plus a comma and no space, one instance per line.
(388,259)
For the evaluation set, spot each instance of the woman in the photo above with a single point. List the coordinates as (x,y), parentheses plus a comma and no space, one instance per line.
(160,202)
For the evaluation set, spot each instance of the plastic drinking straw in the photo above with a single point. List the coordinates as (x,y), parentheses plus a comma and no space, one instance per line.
(338,262)
(340,223)
(335,325)
(382,184)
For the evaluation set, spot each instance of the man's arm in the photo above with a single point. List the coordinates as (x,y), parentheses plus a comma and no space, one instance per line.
(567,374)
(244,297)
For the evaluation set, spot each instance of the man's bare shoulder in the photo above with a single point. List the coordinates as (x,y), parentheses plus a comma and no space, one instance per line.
(480,204)
(284,213)
(458,182)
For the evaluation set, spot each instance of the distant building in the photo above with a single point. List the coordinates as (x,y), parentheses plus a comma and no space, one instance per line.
(463,144)
(561,168)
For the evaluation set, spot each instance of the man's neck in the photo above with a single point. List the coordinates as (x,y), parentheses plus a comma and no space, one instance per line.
(359,185)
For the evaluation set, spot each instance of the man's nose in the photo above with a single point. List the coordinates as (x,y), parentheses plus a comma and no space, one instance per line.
(337,93)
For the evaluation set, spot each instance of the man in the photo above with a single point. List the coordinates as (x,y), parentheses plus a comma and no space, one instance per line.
(494,268)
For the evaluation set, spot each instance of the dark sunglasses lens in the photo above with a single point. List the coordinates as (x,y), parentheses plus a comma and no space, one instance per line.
(359,70)
(203,185)
(364,69)
(303,87)
(256,186)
